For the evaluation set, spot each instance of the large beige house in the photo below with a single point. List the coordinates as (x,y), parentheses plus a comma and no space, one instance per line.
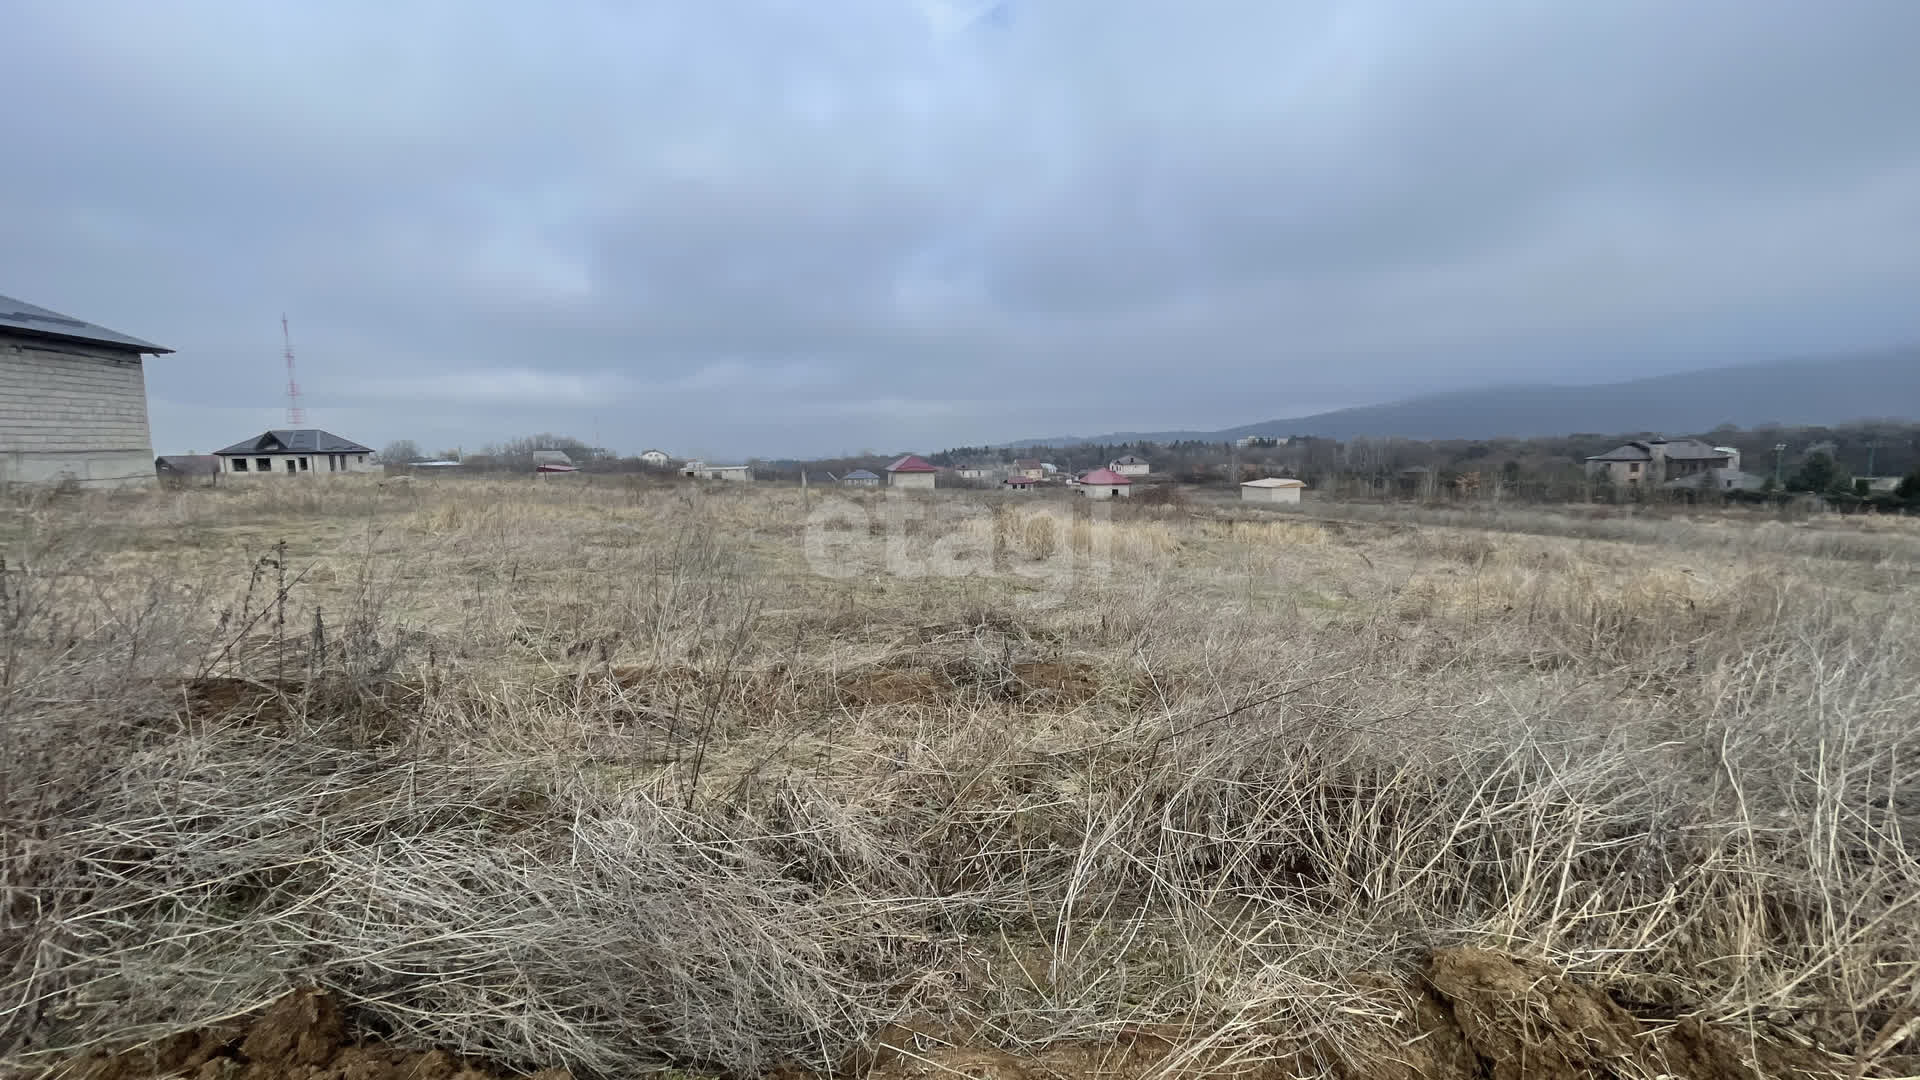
(296,452)
(1650,463)
(73,401)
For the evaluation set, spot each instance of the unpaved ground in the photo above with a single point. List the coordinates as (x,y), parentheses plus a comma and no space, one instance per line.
(628,786)
(303,1036)
(1475,1014)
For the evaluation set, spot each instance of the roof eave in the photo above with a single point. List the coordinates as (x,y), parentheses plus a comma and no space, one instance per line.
(132,345)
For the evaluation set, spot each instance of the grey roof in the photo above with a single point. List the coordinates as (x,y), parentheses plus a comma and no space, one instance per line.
(860,474)
(1130,460)
(552,457)
(1676,449)
(188,464)
(1629,452)
(296,441)
(22,317)
(1692,450)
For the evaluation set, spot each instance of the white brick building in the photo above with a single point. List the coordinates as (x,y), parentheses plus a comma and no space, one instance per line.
(73,401)
(296,452)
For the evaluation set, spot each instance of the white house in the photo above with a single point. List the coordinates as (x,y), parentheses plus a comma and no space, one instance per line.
(654,459)
(1105,484)
(1130,466)
(861,478)
(294,452)
(700,470)
(73,401)
(1274,489)
(911,472)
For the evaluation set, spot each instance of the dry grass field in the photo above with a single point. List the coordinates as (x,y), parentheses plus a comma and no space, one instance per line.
(620,778)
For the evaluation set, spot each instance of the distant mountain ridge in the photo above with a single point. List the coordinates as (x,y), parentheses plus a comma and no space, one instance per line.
(1828,390)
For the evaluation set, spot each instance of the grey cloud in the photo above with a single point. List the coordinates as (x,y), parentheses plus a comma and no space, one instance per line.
(765,227)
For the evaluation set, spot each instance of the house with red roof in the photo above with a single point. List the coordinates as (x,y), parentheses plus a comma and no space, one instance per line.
(911,471)
(1104,484)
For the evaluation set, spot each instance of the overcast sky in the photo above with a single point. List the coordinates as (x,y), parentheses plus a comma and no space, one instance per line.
(733,227)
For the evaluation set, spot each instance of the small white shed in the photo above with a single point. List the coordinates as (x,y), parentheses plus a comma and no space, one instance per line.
(1274,489)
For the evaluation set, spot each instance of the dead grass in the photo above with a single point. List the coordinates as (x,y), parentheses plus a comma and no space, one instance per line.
(610,777)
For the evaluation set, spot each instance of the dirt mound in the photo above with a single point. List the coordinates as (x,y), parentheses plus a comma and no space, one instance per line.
(303,1036)
(1526,1020)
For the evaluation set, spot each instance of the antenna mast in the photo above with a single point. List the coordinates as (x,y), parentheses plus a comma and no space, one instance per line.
(296,416)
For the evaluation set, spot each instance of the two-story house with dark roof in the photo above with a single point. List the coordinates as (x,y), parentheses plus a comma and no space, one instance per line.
(1660,462)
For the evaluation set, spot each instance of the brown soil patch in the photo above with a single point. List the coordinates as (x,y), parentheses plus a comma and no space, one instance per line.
(871,689)
(1054,683)
(1526,1020)
(379,709)
(223,698)
(1038,684)
(303,1036)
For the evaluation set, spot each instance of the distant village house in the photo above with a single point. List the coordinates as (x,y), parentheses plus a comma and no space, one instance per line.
(553,461)
(912,472)
(1273,489)
(654,459)
(296,452)
(1105,484)
(861,478)
(79,401)
(1658,462)
(700,470)
(1028,467)
(1130,466)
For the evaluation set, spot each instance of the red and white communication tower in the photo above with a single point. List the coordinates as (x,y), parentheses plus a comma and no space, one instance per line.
(296,416)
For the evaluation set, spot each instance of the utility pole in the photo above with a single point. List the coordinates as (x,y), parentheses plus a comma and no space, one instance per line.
(1779,449)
